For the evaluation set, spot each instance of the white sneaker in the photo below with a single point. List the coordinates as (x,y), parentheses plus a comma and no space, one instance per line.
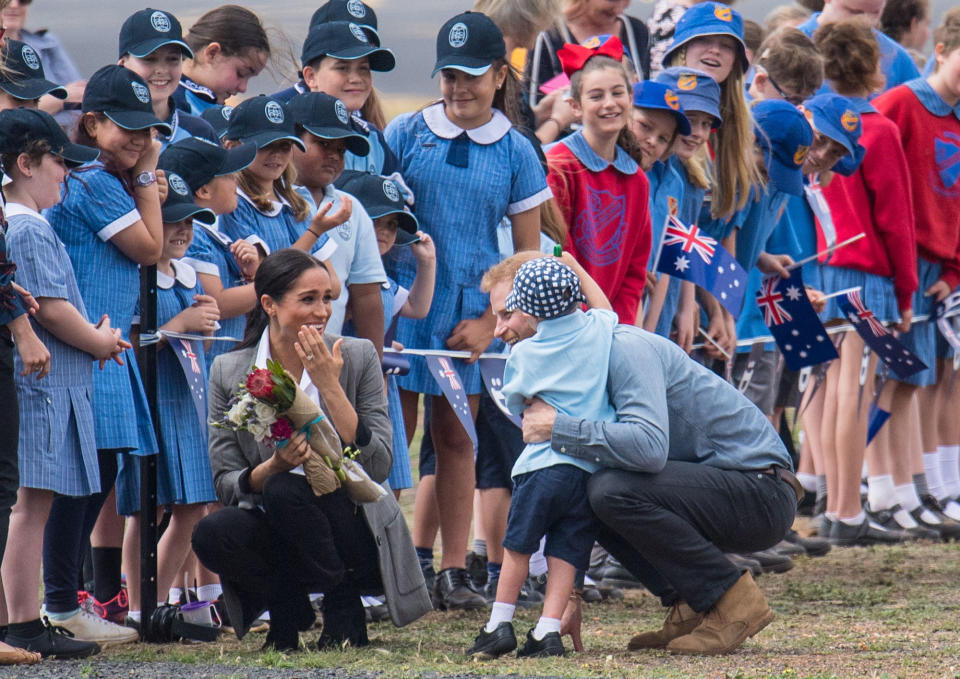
(87,626)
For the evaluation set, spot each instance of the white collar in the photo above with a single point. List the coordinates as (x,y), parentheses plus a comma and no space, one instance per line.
(277,206)
(489,133)
(263,353)
(183,273)
(13,209)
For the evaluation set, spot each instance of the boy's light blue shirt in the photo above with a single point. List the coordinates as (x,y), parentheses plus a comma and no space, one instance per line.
(565,364)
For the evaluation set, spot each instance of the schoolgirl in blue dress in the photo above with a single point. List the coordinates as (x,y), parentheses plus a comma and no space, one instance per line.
(229,46)
(184,476)
(57,445)
(151,45)
(468,169)
(109,220)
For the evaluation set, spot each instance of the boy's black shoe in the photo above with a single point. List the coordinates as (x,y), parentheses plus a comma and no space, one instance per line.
(52,642)
(490,645)
(549,645)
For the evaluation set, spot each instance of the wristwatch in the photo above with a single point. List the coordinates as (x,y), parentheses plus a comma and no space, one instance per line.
(145,179)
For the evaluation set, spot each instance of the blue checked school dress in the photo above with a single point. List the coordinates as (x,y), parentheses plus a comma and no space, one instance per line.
(57,447)
(94,208)
(277,228)
(465,182)
(184,475)
(400,475)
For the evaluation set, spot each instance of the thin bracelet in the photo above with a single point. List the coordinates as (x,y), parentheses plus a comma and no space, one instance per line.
(316,235)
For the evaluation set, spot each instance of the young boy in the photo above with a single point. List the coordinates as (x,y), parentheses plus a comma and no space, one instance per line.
(563,361)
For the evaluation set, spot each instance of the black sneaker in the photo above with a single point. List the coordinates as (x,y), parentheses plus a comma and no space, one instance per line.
(54,642)
(549,645)
(490,645)
(888,519)
(454,591)
(477,569)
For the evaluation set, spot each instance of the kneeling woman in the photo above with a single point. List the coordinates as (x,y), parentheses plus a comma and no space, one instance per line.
(275,541)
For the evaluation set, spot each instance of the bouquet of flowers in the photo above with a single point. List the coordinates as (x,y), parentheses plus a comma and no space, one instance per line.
(272,408)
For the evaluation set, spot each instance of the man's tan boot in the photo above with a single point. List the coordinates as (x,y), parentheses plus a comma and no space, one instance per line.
(680,620)
(740,613)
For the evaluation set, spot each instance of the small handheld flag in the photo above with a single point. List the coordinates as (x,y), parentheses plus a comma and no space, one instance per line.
(891,351)
(491,370)
(449,381)
(794,324)
(191,362)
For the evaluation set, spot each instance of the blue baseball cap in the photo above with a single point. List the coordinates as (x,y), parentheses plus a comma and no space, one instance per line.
(179,204)
(696,90)
(198,161)
(327,117)
(651,94)
(469,42)
(545,288)
(22,75)
(356,11)
(709,18)
(148,30)
(785,136)
(380,196)
(21,126)
(122,96)
(261,121)
(344,40)
(219,118)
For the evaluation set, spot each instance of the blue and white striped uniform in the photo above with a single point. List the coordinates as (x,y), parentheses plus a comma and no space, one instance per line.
(460,207)
(380,160)
(184,475)
(278,228)
(94,208)
(57,448)
(400,475)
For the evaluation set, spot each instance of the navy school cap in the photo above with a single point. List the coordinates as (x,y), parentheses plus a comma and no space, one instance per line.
(219,118)
(261,121)
(709,18)
(327,117)
(22,75)
(150,29)
(179,204)
(198,161)
(20,126)
(785,136)
(122,96)
(469,42)
(356,11)
(545,288)
(696,90)
(344,40)
(651,94)
(380,196)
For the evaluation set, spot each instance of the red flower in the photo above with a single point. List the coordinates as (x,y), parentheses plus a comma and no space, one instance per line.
(281,430)
(260,384)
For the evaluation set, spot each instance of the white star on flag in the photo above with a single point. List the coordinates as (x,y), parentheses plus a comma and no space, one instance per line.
(682,263)
(793,292)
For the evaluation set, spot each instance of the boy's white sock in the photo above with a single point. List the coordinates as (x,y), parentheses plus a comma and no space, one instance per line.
(949,469)
(209,592)
(499,612)
(931,468)
(881,493)
(545,626)
(538,562)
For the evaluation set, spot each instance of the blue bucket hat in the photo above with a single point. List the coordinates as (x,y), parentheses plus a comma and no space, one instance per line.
(651,94)
(785,136)
(545,288)
(834,116)
(709,18)
(696,90)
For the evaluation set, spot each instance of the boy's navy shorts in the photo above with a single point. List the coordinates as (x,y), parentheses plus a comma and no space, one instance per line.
(552,502)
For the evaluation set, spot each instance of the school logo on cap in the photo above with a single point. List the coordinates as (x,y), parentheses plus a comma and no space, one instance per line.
(30,58)
(723,13)
(226,112)
(671,99)
(800,155)
(358,33)
(687,81)
(274,112)
(390,191)
(160,21)
(140,92)
(356,9)
(341,110)
(176,184)
(458,35)
(849,120)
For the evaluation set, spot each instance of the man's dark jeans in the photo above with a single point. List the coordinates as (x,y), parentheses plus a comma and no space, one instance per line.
(671,529)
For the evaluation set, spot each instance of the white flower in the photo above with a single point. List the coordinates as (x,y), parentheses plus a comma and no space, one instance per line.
(237,415)
(258,431)
(265,414)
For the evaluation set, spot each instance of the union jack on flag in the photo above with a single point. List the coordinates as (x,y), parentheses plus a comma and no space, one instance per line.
(864,314)
(769,300)
(794,324)
(689,238)
(888,348)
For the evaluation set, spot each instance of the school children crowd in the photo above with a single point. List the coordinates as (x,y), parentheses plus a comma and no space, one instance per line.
(777,142)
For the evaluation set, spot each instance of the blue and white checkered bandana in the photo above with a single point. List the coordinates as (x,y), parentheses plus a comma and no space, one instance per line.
(545,288)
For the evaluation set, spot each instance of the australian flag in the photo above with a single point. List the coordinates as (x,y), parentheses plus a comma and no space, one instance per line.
(443,372)
(190,356)
(894,355)
(491,369)
(688,253)
(794,324)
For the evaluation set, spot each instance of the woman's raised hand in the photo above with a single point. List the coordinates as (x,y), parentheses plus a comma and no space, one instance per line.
(321,364)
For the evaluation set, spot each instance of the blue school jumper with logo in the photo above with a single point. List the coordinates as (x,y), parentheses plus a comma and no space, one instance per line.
(184,475)
(57,448)
(666,197)
(94,208)
(460,207)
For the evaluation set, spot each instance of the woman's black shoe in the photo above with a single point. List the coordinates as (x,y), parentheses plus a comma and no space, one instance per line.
(52,642)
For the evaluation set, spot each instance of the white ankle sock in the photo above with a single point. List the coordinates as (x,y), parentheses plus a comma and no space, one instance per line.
(931,467)
(881,493)
(950,469)
(134,615)
(907,496)
(500,612)
(538,562)
(174,596)
(545,626)
(808,481)
(60,617)
(854,520)
(209,592)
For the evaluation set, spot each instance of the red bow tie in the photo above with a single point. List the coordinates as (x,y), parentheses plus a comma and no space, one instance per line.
(573,57)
